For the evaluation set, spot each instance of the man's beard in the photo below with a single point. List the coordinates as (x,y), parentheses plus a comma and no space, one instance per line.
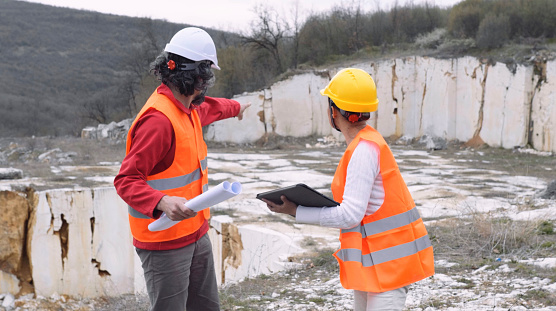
(199,99)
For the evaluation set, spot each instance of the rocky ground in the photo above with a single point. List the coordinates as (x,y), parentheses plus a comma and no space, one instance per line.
(490,213)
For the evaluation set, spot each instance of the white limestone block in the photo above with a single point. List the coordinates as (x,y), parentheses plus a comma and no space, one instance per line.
(470,74)
(438,110)
(249,129)
(298,108)
(517,109)
(112,250)
(264,251)
(8,302)
(506,107)
(80,244)
(544,111)
(9,283)
(215,236)
(385,75)
(410,88)
(46,249)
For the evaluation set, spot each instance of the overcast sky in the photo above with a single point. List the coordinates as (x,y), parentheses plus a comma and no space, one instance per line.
(231,15)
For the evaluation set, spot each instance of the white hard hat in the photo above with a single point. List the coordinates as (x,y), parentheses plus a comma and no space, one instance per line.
(195,44)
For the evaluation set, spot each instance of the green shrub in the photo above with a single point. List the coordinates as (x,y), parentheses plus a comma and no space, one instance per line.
(457,46)
(432,39)
(546,227)
(493,32)
(465,19)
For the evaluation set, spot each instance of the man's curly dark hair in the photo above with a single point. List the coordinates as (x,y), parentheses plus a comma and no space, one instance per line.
(187,81)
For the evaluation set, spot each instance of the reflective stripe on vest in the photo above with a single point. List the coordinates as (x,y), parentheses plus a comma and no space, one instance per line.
(386,224)
(177,182)
(387,254)
(134,213)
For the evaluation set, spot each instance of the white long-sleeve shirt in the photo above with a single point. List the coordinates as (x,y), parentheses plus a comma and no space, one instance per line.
(363,192)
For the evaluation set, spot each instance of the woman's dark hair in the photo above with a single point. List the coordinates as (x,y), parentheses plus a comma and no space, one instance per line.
(187,81)
(349,115)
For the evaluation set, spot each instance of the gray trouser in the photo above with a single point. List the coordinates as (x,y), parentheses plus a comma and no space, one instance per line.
(181,279)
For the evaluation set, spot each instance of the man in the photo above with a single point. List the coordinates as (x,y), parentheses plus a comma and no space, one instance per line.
(166,165)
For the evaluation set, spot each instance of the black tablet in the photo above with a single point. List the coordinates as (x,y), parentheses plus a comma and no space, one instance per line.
(299,194)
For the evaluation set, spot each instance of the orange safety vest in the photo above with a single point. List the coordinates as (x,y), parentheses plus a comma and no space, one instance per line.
(390,248)
(187,176)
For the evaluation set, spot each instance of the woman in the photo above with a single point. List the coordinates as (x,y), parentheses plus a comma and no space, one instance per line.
(384,243)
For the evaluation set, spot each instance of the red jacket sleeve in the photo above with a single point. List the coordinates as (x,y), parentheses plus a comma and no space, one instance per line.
(152,148)
(215,109)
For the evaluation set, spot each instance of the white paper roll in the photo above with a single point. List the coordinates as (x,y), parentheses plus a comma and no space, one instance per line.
(220,193)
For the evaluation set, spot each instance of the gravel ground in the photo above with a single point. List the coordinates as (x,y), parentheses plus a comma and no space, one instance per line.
(467,277)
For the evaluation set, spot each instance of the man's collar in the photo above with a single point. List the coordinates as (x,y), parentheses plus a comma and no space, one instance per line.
(163,89)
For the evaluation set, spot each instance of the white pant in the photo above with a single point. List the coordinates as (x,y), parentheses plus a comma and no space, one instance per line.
(393,300)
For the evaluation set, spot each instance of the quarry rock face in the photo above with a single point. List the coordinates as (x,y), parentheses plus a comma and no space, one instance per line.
(464,99)
(78,243)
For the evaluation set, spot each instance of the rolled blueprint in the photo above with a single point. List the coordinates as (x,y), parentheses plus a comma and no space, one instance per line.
(220,193)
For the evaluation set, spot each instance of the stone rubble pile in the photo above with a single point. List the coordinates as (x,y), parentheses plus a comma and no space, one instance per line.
(11,173)
(29,154)
(113,132)
(550,192)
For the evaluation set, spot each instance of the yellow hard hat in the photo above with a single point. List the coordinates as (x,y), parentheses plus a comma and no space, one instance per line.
(352,89)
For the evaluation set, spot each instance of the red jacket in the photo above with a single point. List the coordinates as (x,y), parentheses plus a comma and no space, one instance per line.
(152,151)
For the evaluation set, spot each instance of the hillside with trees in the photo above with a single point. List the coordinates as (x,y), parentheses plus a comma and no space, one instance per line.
(64,69)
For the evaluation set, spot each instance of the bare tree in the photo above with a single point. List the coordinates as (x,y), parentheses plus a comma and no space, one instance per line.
(97,107)
(296,28)
(129,87)
(136,64)
(268,32)
(355,12)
